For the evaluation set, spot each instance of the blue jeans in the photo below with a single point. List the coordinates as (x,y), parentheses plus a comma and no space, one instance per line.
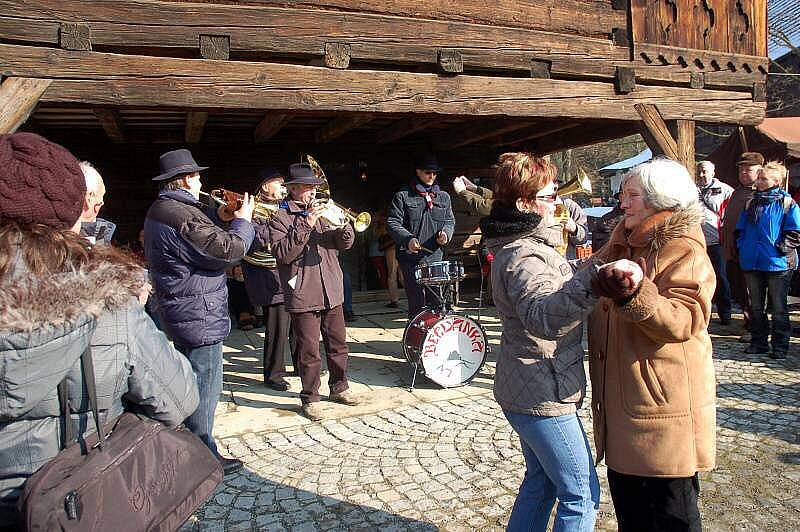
(206,362)
(722,295)
(347,306)
(774,285)
(559,466)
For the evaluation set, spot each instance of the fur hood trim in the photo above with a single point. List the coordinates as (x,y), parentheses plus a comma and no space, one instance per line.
(28,303)
(661,228)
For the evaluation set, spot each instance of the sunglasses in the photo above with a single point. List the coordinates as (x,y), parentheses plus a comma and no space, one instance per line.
(548,197)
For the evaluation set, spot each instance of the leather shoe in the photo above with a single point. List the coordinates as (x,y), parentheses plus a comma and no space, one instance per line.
(346,398)
(280,385)
(754,349)
(778,354)
(349,317)
(392,304)
(230,465)
(313,411)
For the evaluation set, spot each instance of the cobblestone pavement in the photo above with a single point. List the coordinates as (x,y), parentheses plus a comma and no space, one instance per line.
(456,464)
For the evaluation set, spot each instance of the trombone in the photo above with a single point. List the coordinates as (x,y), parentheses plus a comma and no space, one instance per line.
(336,214)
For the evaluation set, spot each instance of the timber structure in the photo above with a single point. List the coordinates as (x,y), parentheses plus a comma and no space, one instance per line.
(366,83)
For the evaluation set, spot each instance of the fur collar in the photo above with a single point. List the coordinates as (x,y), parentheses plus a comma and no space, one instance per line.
(656,231)
(504,221)
(28,303)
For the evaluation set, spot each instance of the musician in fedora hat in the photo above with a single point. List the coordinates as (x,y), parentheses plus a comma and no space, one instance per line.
(188,247)
(306,247)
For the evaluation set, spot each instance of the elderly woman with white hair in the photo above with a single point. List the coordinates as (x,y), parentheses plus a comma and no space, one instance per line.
(652,375)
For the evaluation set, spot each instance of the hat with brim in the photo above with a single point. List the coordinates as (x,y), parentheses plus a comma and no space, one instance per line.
(750,158)
(175,163)
(302,174)
(268,174)
(428,162)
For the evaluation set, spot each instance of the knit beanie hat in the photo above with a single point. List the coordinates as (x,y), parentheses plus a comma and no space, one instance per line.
(40,182)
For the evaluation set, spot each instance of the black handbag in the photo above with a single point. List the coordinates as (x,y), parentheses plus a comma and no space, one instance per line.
(140,475)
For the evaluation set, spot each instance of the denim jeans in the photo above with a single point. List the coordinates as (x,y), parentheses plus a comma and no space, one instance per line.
(722,295)
(206,362)
(559,466)
(347,287)
(774,285)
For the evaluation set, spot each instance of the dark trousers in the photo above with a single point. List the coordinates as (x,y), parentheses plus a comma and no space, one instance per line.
(276,336)
(774,285)
(655,504)
(722,295)
(739,289)
(307,326)
(418,295)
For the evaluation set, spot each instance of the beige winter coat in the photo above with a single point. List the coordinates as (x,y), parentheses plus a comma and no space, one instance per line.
(653,386)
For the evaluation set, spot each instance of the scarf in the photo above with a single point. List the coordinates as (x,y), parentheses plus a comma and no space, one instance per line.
(505,221)
(426,191)
(761,200)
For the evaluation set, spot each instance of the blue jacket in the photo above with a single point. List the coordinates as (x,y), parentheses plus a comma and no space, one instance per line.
(188,252)
(764,246)
(408,217)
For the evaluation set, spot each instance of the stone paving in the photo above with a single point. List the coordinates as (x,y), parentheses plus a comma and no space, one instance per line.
(453,463)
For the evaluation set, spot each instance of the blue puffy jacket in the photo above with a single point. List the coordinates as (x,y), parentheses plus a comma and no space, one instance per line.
(188,251)
(768,244)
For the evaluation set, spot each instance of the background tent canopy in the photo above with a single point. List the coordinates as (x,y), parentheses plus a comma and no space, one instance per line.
(643,157)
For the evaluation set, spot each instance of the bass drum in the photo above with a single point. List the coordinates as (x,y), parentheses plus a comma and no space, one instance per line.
(449,348)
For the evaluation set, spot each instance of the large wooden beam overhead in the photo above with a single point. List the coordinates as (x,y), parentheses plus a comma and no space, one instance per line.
(108,79)
(590,133)
(340,126)
(461,136)
(403,128)
(535,132)
(655,132)
(270,125)
(195,124)
(18,99)
(112,124)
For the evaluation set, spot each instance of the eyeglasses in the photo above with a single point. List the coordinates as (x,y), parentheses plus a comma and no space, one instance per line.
(548,197)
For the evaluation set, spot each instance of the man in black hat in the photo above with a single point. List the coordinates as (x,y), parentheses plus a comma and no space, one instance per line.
(421,222)
(188,247)
(306,246)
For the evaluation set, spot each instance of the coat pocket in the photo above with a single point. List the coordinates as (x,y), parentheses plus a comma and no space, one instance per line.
(655,386)
(570,377)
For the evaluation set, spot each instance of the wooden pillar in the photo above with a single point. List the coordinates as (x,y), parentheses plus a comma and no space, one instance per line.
(18,99)
(686,153)
(655,131)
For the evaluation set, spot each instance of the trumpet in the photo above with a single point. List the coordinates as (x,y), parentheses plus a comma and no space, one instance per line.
(336,214)
(262,210)
(580,184)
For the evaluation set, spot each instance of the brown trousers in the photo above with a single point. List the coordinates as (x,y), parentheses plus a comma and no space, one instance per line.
(307,326)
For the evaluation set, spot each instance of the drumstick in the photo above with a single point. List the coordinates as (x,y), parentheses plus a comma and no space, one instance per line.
(423,248)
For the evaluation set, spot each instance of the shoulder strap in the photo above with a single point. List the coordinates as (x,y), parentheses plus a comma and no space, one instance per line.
(87,376)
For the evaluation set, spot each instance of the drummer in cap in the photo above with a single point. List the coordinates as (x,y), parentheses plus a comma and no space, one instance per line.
(421,222)
(188,247)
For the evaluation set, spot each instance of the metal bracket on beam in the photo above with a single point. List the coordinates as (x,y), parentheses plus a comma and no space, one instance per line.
(75,36)
(625,80)
(450,61)
(337,55)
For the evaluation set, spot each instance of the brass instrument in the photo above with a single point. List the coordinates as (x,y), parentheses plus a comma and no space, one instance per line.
(580,184)
(262,210)
(336,214)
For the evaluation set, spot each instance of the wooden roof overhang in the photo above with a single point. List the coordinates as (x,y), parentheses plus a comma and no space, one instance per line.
(541,76)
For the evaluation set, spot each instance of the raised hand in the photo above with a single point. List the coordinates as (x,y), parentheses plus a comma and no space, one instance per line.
(245,212)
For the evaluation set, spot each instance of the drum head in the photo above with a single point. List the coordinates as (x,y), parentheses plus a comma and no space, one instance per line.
(453,350)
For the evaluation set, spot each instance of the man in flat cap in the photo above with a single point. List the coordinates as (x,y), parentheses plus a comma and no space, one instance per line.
(749,164)
(188,247)
(306,247)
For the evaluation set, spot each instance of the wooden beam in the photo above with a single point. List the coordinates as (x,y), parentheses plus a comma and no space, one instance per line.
(655,131)
(540,69)
(625,80)
(685,140)
(536,132)
(338,127)
(195,124)
(580,136)
(112,124)
(102,79)
(215,47)
(18,99)
(462,135)
(337,55)
(75,36)
(403,128)
(269,126)
(450,61)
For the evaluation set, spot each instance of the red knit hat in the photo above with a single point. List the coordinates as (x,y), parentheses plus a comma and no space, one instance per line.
(40,182)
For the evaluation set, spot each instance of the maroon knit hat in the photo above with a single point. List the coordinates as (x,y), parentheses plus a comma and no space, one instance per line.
(40,182)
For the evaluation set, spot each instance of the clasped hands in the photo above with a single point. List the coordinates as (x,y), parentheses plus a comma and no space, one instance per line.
(619,280)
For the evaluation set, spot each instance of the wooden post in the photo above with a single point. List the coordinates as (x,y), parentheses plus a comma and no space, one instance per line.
(686,152)
(18,99)
(195,124)
(655,131)
(269,126)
